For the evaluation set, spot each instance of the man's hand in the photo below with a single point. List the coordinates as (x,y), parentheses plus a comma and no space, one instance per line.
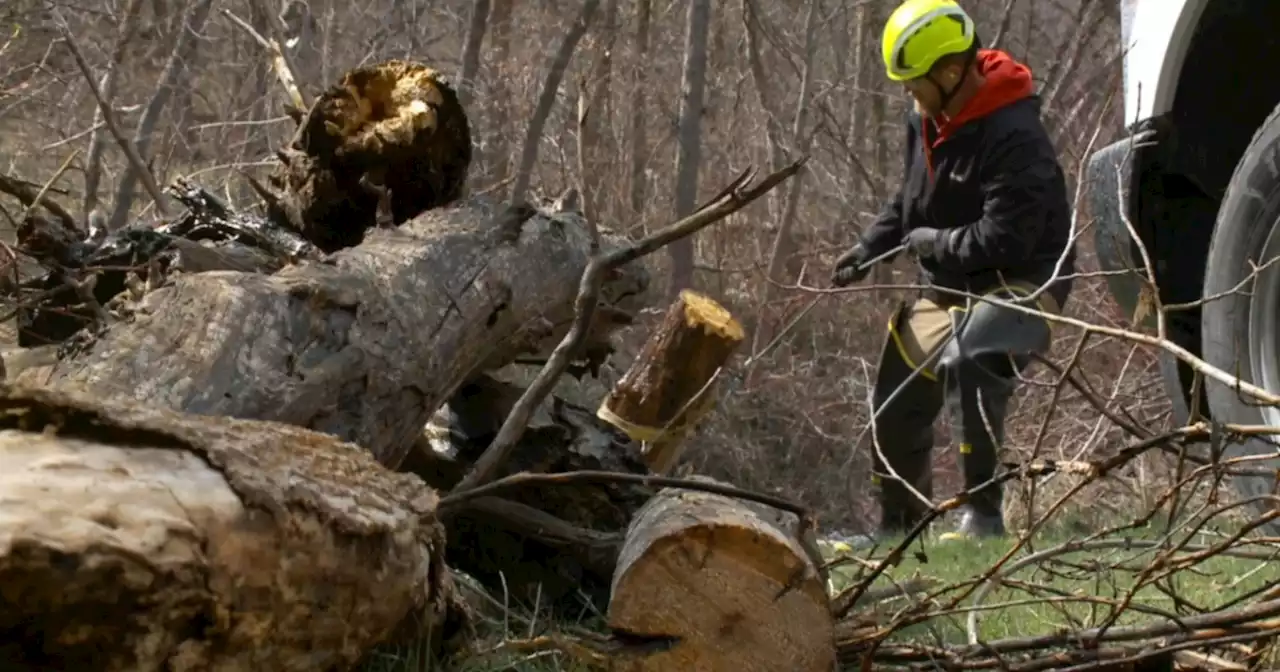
(849,267)
(924,242)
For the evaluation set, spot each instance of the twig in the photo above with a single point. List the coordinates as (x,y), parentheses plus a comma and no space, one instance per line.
(735,197)
(279,62)
(19,190)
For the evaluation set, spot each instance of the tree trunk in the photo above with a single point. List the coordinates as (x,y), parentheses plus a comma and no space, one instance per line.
(689,148)
(670,385)
(365,345)
(639,144)
(141,539)
(729,579)
(476,26)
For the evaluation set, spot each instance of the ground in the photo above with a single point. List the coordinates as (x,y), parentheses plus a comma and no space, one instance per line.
(1071,591)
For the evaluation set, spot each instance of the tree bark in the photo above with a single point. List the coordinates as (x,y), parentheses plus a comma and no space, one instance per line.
(728,580)
(366,344)
(670,384)
(140,539)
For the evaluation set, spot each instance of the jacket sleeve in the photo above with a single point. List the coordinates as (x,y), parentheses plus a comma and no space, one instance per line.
(1016,177)
(885,233)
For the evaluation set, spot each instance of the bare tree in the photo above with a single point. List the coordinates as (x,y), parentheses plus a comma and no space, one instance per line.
(182,56)
(547,99)
(639,96)
(476,27)
(689,137)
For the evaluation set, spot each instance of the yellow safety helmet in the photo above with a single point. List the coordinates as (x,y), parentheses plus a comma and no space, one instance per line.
(919,32)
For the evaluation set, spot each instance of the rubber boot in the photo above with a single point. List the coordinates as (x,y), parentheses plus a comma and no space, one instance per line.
(900,509)
(979,400)
(904,432)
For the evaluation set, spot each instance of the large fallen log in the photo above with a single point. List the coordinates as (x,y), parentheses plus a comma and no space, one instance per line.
(671,384)
(141,539)
(367,344)
(726,582)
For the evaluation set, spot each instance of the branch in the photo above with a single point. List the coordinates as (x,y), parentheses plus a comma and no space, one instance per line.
(547,99)
(109,116)
(735,197)
(458,498)
(279,63)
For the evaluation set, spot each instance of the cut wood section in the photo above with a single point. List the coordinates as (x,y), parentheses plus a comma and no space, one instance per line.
(140,539)
(669,387)
(729,580)
(392,131)
(364,345)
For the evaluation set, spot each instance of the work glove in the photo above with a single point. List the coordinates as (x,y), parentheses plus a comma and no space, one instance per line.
(849,267)
(925,242)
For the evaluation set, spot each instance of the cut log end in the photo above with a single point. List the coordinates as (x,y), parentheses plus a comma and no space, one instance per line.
(728,581)
(702,311)
(385,106)
(670,386)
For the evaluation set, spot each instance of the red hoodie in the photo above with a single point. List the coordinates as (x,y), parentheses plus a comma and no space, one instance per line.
(1007,81)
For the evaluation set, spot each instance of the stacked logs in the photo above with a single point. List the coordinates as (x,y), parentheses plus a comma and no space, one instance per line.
(225,466)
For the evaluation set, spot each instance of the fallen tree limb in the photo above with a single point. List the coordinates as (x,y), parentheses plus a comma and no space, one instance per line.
(141,539)
(367,344)
(208,236)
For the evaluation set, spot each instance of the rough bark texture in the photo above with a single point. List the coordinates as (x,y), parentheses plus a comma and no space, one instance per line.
(729,580)
(138,539)
(666,390)
(365,345)
(554,543)
(394,130)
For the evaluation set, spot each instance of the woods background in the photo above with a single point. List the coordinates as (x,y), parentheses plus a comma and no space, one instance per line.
(660,103)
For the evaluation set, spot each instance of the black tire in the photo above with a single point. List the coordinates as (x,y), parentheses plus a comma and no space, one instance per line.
(1246,219)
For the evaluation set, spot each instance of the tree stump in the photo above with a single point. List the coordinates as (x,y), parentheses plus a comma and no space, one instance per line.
(669,387)
(139,539)
(728,581)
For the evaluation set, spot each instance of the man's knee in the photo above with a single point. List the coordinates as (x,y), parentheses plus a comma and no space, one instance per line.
(995,339)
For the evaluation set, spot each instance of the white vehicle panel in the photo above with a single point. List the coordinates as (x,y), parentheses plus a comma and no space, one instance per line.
(1157,34)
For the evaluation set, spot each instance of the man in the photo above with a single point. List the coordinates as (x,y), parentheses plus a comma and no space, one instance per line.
(983,207)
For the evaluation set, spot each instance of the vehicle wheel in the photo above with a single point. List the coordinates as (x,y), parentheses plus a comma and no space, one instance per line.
(1241,331)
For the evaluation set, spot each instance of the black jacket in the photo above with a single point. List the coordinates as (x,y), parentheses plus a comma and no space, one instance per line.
(991,178)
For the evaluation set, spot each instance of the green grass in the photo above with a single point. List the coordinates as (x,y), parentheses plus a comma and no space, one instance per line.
(1067,592)
(1071,591)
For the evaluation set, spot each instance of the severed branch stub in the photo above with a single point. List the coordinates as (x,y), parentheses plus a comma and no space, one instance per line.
(733,198)
(671,385)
